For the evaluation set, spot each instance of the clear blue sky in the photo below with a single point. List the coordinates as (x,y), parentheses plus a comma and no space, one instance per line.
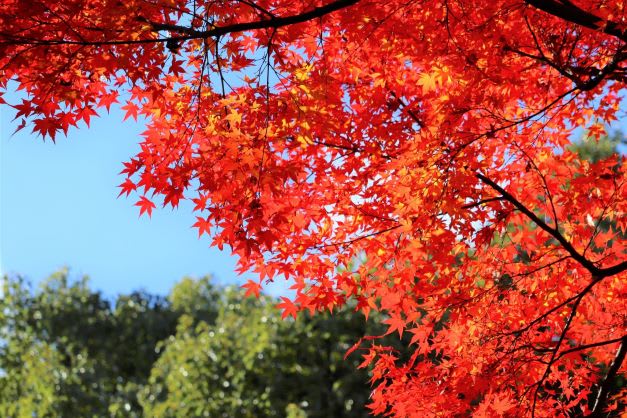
(59,207)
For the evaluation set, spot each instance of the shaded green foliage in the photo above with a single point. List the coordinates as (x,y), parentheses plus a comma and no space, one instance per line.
(68,351)
(595,150)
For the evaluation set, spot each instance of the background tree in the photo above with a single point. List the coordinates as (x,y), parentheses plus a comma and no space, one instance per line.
(598,149)
(407,134)
(94,355)
(202,351)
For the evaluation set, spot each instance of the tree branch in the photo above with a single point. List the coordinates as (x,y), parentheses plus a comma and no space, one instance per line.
(599,273)
(351,241)
(591,345)
(583,292)
(571,13)
(606,385)
(191,33)
(547,371)
(482,202)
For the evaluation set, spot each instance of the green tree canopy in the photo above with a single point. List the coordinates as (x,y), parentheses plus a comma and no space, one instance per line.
(69,351)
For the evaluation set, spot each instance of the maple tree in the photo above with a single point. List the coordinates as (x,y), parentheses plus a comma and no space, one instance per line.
(411,156)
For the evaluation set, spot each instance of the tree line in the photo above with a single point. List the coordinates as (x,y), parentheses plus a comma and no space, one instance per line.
(67,350)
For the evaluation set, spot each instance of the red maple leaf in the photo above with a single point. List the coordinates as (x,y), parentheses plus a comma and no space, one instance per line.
(203,225)
(287,307)
(145,205)
(127,187)
(252,288)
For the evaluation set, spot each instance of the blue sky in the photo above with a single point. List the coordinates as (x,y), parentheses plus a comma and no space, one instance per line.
(59,207)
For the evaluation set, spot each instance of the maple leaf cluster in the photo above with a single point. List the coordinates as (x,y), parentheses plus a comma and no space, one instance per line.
(411,156)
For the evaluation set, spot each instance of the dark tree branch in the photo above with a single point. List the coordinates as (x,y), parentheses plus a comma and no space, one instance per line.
(599,273)
(191,33)
(566,10)
(482,202)
(591,345)
(585,290)
(547,371)
(607,383)
(258,8)
(511,123)
(408,110)
(338,146)
(351,241)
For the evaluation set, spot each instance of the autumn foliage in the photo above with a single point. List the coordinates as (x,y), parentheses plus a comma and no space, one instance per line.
(410,156)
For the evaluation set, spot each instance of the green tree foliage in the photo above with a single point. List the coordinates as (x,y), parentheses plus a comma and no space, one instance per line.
(95,354)
(68,351)
(250,363)
(597,149)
